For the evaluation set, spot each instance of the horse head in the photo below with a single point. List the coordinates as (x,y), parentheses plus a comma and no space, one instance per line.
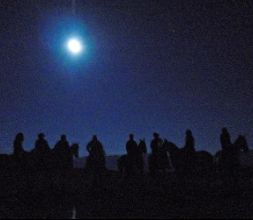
(74,149)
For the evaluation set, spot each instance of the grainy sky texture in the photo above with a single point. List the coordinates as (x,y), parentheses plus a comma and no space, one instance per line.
(162,66)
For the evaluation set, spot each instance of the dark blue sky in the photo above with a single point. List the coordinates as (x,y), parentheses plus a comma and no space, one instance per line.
(150,66)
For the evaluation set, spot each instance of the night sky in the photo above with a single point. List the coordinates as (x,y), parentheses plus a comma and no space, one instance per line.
(162,66)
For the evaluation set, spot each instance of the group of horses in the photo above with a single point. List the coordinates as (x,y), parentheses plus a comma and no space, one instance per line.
(35,161)
(170,159)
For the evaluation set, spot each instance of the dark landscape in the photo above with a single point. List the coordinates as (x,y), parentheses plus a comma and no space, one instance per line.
(179,182)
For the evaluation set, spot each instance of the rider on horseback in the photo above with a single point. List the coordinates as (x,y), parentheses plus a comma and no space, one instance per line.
(18,146)
(62,153)
(95,163)
(189,153)
(132,155)
(156,148)
(41,145)
(41,152)
(189,142)
(96,155)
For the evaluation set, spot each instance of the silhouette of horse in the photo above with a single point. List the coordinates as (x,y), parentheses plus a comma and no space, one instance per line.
(171,158)
(182,161)
(162,161)
(125,168)
(64,161)
(6,162)
(124,163)
(10,163)
(238,151)
(245,159)
(204,162)
(74,150)
(32,161)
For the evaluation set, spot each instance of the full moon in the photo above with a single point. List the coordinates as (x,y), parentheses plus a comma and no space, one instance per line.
(74,46)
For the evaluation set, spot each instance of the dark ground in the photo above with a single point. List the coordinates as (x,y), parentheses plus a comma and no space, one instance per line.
(167,196)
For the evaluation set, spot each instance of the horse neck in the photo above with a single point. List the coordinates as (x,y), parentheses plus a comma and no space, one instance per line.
(74,151)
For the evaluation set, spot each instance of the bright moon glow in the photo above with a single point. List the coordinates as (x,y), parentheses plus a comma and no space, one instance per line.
(74,46)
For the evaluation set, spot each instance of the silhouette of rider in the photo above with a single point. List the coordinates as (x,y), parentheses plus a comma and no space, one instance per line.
(18,145)
(156,144)
(189,141)
(96,154)
(229,158)
(241,144)
(41,153)
(41,145)
(156,149)
(132,154)
(95,163)
(225,139)
(228,150)
(62,151)
(189,153)
(131,146)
